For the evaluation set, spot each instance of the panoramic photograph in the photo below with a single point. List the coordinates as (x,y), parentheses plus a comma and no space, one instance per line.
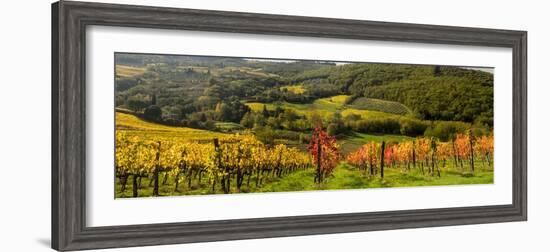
(202,125)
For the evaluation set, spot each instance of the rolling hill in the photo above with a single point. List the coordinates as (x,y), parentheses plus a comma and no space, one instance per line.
(133,125)
(373,108)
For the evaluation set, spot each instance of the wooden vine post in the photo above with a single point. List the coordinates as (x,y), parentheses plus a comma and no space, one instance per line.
(134,185)
(218,164)
(318,176)
(156,173)
(181,168)
(414,154)
(471,136)
(455,155)
(382,159)
(433,147)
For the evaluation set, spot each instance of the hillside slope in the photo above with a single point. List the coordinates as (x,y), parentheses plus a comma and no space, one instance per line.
(380,105)
(432,92)
(131,124)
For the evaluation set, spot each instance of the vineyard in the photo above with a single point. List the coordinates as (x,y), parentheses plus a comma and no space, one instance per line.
(202,125)
(429,156)
(240,163)
(380,105)
(235,158)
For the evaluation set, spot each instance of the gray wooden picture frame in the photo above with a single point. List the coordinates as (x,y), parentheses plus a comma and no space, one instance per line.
(69,22)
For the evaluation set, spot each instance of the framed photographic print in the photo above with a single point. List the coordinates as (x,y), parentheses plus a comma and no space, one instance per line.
(177,125)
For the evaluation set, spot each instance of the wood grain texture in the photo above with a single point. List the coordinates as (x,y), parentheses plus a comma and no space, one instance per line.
(69,21)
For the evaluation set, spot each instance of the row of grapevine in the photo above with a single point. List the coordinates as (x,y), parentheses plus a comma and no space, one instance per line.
(221,161)
(428,155)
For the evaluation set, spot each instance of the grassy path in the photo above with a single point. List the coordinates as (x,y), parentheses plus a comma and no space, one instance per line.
(348,177)
(344,177)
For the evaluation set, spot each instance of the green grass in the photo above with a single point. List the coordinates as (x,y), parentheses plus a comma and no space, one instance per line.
(348,177)
(303,109)
(365,138)
(333,102)
(369,114)
(325,107)
(228,126)
(344,177)
(380,105)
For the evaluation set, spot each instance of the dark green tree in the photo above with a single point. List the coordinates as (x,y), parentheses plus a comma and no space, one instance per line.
(153,113)
(248,120)
(154,99)
(137,102)
(265,112)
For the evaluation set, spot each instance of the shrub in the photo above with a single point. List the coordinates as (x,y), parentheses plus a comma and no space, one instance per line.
(332,129)
(445,130)
(209,125)
(377,126)
(153,113)
(411,127)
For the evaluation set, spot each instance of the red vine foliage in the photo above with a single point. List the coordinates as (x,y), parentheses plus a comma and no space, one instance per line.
(329,153)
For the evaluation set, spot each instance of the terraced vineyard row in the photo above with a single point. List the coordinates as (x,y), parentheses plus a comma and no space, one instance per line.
(212,163)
